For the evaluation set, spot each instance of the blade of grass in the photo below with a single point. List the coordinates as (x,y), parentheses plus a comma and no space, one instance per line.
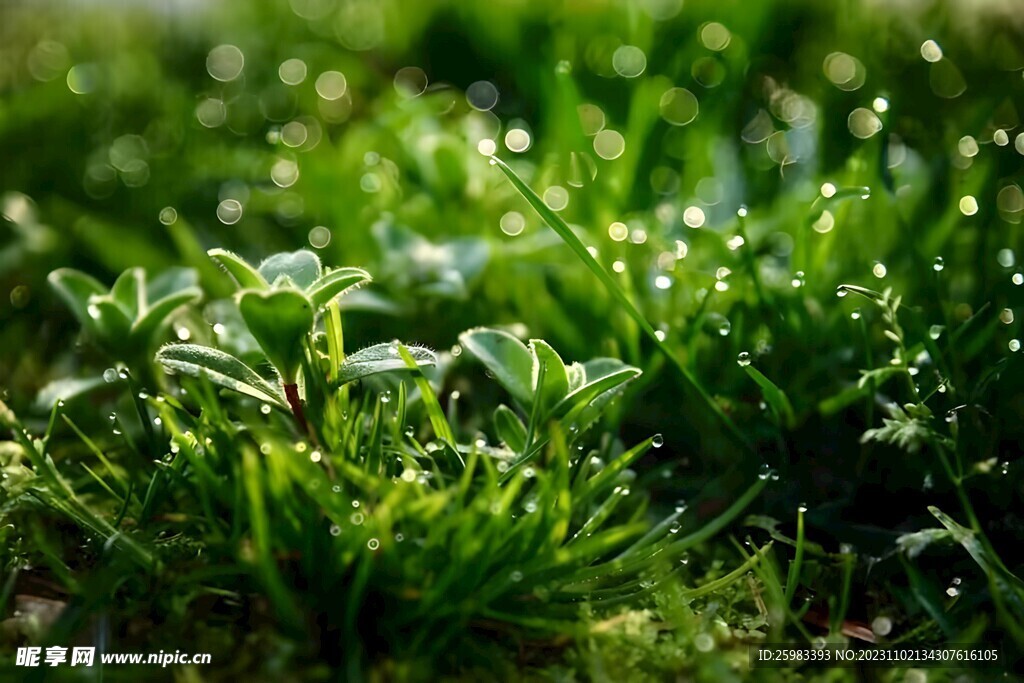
(793,578)
(437,419)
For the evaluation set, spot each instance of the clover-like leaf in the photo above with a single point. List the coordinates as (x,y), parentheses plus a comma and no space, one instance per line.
(302,267)
(238,268)
(220,368)
(76,288)
(505,357)
(381,358)
(336,283)
(279,319)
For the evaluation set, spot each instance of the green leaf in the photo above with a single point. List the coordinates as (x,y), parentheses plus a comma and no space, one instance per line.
(157,314)
(577,400)
(505,357)
(1006,587)
(775,397)
(279,320)
(170,281)
(76,288)
(554,376)
(577,374)
(108,320)
(245,275)
(442,429)
(129,291)
(220,368)
(381,358)
(510,428)
(336,283)
(302,267)
(64,390)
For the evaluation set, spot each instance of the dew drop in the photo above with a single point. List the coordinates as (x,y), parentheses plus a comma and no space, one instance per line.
(110,375)
(743,359)
(657,440)
(265,409)
(373,544)
(725,328)
(938,264)
(855,314)
(1014,345)
(335,530)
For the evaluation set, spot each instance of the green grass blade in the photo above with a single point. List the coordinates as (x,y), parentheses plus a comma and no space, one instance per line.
(775,397)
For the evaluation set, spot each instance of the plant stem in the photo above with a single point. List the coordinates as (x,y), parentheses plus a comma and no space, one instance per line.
(291,392)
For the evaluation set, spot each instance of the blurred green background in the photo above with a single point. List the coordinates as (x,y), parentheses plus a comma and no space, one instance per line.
(141,134)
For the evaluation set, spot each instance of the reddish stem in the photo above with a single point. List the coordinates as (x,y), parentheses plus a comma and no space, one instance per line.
(291,392)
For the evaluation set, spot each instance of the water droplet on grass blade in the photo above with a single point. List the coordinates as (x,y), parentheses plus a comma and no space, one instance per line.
(743,359)
(658,441)
(110,375)
(938,264)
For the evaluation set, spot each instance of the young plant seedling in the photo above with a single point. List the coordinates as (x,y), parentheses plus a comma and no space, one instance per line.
(124,321)
(279,302)
(544,386)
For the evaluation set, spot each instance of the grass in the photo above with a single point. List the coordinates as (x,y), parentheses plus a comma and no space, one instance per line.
(621,386)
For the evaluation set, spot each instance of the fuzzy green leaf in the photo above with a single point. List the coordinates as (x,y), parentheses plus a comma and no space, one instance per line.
(238,268)
(302,267)
(75,288)
(381,358)
(157,314)
(279,320)
(505,357)
(108,320)
(336,283)
(220,368)
(129,291)
(577,400)
(554,378)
